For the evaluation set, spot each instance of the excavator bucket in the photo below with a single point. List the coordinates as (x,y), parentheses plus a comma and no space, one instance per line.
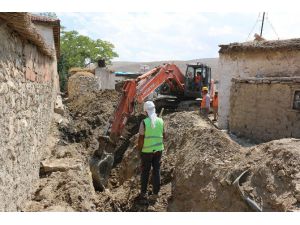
(100,169)
(101,162)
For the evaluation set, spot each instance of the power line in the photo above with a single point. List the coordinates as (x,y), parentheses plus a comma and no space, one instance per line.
(267,18)
(257,20)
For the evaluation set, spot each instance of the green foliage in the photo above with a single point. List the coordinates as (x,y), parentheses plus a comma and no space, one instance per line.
(77,49)
(63,73)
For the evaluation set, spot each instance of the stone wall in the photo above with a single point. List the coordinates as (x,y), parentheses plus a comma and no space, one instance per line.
(27,95)
(252,64)
(261,109)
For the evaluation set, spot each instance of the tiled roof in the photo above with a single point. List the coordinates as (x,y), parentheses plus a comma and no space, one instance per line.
(55,23)
(21,23)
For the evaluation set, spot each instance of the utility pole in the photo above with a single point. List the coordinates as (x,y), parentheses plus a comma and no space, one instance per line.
(262,24)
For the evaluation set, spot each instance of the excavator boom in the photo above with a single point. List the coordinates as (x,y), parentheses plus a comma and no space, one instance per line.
(136,91)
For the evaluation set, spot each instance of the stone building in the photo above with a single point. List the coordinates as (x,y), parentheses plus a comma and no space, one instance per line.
(28,89)
(259,89)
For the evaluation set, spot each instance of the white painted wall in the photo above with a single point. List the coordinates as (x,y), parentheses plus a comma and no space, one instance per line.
(47,33)
(246,64)
(105,79)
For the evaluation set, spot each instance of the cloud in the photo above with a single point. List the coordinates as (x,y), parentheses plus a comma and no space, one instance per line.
(219,31)
(170,36)
(143,36)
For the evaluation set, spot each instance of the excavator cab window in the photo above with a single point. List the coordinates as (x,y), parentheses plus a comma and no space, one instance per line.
(190,74)
(197,76)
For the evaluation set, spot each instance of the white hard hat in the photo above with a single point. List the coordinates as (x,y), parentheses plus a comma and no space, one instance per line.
(149,106)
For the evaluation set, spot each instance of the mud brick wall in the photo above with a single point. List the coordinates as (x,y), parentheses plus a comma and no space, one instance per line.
(262,109)
(28,87)
(247,64)
(82,83)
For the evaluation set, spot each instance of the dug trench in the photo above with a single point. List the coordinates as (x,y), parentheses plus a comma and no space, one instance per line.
(199,165)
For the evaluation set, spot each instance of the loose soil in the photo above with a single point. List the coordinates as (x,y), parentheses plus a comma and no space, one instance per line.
(199,165)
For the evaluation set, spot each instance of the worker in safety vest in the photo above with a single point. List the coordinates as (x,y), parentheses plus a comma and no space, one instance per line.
(150,144)
(215,104)
(205,103)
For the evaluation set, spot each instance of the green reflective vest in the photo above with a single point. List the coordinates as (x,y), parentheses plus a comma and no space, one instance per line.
(153,140)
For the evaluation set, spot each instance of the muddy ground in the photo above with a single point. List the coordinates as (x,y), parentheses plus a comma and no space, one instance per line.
(199,165)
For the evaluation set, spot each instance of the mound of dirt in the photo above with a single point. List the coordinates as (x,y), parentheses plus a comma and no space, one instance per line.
(65,181)
(204,157)
(208,161)
(89,114)
(274,177)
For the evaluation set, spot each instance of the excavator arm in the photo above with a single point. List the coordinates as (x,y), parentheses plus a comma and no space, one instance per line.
(136,91)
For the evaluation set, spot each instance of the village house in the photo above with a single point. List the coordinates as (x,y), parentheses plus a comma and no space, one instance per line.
(260,89)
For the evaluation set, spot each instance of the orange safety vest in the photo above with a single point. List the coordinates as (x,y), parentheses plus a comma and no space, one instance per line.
(203,102)
(215,101)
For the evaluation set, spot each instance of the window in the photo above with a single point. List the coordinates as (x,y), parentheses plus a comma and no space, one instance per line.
(190,72)
(199,70)
(204,74)
(296,100)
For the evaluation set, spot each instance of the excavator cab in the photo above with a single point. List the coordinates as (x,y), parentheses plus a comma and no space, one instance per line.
(196,76)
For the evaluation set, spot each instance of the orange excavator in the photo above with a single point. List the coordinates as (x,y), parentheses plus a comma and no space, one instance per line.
(174,90)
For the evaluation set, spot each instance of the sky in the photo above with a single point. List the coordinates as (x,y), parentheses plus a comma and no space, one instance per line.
(154,36)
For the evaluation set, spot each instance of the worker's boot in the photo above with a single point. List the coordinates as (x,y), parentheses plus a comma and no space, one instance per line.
(142,196)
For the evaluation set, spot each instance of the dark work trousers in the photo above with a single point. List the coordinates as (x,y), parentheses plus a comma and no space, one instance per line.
(149,159)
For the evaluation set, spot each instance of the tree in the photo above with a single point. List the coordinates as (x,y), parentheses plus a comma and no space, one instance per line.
(77,49)
(63,73)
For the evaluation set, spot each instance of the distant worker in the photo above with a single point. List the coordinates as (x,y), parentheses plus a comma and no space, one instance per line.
(205,103)
(150,144)
(198,79)
(215,104)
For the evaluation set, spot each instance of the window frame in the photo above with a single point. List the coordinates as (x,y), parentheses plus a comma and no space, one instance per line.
(293,100)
